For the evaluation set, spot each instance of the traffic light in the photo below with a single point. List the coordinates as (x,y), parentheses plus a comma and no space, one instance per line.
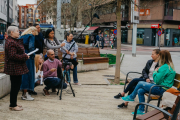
(115,25)
(160,26)
(162,30)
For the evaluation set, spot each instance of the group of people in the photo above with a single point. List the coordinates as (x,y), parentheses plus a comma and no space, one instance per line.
(158,71)
(26,71)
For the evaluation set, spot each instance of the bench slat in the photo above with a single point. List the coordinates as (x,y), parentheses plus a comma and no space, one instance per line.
(148,115)
(153,97)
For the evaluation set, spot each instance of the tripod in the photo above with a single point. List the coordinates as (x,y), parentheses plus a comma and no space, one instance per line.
(65,73)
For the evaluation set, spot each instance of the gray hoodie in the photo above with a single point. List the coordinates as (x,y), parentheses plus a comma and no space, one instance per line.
(73,49)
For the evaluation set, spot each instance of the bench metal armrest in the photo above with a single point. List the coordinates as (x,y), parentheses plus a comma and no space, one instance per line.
(153,87)
(127,77)
(147,104)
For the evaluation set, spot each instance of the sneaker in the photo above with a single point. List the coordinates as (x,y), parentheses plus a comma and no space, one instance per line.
(23,97)
(138,113)
(127,99)
(33,93)
(118,96)
(122,105)
(77,84)
(29,97)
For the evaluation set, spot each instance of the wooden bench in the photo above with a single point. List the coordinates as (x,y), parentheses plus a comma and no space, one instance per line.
(2,56)
(158,113)
(151,96)
(88,55)
(91,56)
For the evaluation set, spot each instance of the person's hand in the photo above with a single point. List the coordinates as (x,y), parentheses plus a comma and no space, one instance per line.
(157,69)
(67,51)
(40,66)
(27,55)
(62,44)
(72,66)
(40,76)
(148,80)
(53,69)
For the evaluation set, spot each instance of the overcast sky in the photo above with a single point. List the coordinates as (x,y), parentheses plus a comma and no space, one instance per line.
(24,2)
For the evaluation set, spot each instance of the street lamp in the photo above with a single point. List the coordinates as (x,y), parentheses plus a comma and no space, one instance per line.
(91,13)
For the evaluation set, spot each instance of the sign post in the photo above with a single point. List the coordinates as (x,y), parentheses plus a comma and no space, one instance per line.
(159,34)
(59,33)
(135,21)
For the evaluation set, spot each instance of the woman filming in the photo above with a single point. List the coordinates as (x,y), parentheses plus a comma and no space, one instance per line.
(71,54)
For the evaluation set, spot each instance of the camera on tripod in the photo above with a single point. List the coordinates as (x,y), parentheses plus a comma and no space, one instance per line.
(65,63)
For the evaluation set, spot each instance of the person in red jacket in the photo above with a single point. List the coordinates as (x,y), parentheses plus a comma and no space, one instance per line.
(15,64)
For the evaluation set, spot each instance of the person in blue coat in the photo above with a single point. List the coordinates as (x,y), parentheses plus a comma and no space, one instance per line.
(1,38)
(28,79)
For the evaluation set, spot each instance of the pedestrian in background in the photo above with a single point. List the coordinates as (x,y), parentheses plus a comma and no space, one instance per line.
(102,41)
(1,38)
(28,79)
(97,40)
(15,64)
(39,40)
(5,35)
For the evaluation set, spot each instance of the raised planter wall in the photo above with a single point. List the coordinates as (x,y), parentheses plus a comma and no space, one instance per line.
(5,85)
(91,67)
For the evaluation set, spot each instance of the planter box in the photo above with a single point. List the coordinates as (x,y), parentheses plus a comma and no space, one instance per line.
(91,67)
(5,85)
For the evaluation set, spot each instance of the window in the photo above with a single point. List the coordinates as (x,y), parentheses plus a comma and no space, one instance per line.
(50,17)
(47,18)
(169,6)
(140,36)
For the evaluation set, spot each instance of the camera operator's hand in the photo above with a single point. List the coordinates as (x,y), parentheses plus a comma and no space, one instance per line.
(71,56)
(53,69)
(62,44)
(72,66)
(67,51)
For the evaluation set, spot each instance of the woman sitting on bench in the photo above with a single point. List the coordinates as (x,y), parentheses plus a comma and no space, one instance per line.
(147,75)
(163,75)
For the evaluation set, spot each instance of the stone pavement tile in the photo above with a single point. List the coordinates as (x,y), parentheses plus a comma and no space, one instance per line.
(96,77)
(92,102)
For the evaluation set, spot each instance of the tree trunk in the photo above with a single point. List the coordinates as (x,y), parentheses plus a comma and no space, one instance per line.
(118,54)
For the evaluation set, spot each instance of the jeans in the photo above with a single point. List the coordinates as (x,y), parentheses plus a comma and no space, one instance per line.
(15,86)
(29,78)
(141,89)
(102,44)
(131,86)
(54,83)
(68,78)
(75,79)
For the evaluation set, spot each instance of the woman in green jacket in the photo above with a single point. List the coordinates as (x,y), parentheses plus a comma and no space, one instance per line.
(164,75)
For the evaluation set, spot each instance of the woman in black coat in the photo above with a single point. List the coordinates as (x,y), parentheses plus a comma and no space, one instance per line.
(147,75)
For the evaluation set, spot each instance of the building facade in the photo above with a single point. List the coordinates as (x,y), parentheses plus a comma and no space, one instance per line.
(15,13)
(26,14)
(3,14)
(163,12)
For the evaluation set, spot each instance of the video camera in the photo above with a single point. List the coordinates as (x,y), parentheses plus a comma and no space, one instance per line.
(66,62)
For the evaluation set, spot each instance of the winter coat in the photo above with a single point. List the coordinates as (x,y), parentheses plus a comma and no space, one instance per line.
(15,57)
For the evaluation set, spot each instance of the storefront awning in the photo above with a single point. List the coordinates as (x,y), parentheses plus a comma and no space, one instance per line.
(93,28)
